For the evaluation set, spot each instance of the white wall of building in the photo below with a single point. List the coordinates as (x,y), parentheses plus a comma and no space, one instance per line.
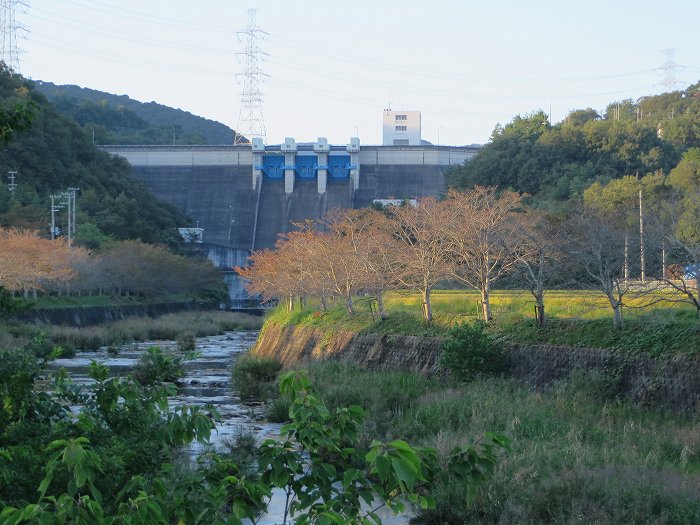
(401,128)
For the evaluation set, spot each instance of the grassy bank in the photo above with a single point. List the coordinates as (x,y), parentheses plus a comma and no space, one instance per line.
(576,458)
(576,318)
(14,334)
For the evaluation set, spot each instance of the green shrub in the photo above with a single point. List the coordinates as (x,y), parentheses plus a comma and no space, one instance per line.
(469,351)
(277,410)
(157,366)
(186,342)
(255,377)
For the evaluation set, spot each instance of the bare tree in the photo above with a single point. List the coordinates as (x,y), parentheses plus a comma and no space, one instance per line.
(479,227)
(422,249)
(538,249)
(597,243)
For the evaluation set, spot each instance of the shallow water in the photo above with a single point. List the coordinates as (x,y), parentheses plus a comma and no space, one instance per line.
(208,382)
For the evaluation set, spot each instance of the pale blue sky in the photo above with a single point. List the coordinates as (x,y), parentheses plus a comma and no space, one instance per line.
(334,66)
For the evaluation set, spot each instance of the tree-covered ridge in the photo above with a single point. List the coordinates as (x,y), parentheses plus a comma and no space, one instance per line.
(556,162)
(118,119)
(55,154)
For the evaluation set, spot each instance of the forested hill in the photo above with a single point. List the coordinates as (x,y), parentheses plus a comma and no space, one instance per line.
(556,162)
(55,154)
(118,119)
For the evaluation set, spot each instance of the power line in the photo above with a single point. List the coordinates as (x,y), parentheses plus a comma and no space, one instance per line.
(251,123)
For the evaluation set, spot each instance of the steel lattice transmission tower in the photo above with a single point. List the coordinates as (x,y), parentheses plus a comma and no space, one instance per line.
(9,29)
(668,68)
(251,123)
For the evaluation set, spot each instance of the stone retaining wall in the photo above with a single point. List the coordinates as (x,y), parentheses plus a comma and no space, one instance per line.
(668,382)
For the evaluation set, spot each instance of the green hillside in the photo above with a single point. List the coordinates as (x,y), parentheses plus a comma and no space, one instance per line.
(55,154)
(118,119)
(557,162)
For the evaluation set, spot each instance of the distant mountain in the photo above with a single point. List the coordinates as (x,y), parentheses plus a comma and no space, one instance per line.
(118,119)
(55,154)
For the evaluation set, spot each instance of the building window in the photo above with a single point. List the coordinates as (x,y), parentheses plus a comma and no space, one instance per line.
(400,128)
(401,142)
(401,117)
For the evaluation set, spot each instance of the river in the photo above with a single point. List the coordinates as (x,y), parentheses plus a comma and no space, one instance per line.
(208,382)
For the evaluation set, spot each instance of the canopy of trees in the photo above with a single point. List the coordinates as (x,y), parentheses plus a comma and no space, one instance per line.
(555,162)
(54,154)
(118,119)
(477,237)
(31,264)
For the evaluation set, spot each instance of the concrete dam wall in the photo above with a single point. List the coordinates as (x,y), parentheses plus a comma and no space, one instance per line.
(243,198)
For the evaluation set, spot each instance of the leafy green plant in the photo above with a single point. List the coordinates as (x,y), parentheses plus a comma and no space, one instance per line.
(326,478)
(157,365)
(469,351)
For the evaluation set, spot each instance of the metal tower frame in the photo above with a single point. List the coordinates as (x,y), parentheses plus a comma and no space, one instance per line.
(251,123)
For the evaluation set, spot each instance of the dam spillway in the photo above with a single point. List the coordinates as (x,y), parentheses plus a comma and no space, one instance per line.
(244,196)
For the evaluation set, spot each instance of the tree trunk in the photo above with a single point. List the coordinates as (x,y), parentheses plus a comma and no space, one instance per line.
(380,305)
(290,303)
(486,304)
(539,308)
(617,311)
(427,308)
(324,306)
(617,317)
(348,304)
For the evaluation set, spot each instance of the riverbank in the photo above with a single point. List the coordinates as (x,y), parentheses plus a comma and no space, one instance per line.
(42,338)
(582,452)
(666,381)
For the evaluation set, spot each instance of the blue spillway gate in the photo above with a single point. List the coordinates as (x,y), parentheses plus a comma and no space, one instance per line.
(338,166)
(306,166)
(273,166)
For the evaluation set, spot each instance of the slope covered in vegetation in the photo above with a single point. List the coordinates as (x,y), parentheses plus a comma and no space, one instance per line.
(55,154)
(118,119)
(556,162)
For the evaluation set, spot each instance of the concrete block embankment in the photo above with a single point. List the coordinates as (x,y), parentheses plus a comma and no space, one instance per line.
(406,353)
(671,382)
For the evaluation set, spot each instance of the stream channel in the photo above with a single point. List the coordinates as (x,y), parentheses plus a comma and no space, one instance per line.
(208,382)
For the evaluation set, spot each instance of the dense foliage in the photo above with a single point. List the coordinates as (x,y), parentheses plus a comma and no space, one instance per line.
(55,154)
(118,119)
(53,459)
(555,162)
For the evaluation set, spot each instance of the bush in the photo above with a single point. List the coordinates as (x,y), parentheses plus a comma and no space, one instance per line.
(277,411)
(469,351)
(158,366)
(255,377)
(186,342)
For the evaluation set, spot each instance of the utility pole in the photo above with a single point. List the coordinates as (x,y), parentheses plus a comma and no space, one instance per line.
(70,202)
(641,232)
(54,208)
(12,186)
(251,123)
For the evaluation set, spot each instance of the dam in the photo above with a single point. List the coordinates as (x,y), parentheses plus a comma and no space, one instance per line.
(242,197)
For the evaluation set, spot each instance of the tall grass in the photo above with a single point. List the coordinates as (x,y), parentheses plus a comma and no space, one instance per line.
(169,326)
(576,457)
